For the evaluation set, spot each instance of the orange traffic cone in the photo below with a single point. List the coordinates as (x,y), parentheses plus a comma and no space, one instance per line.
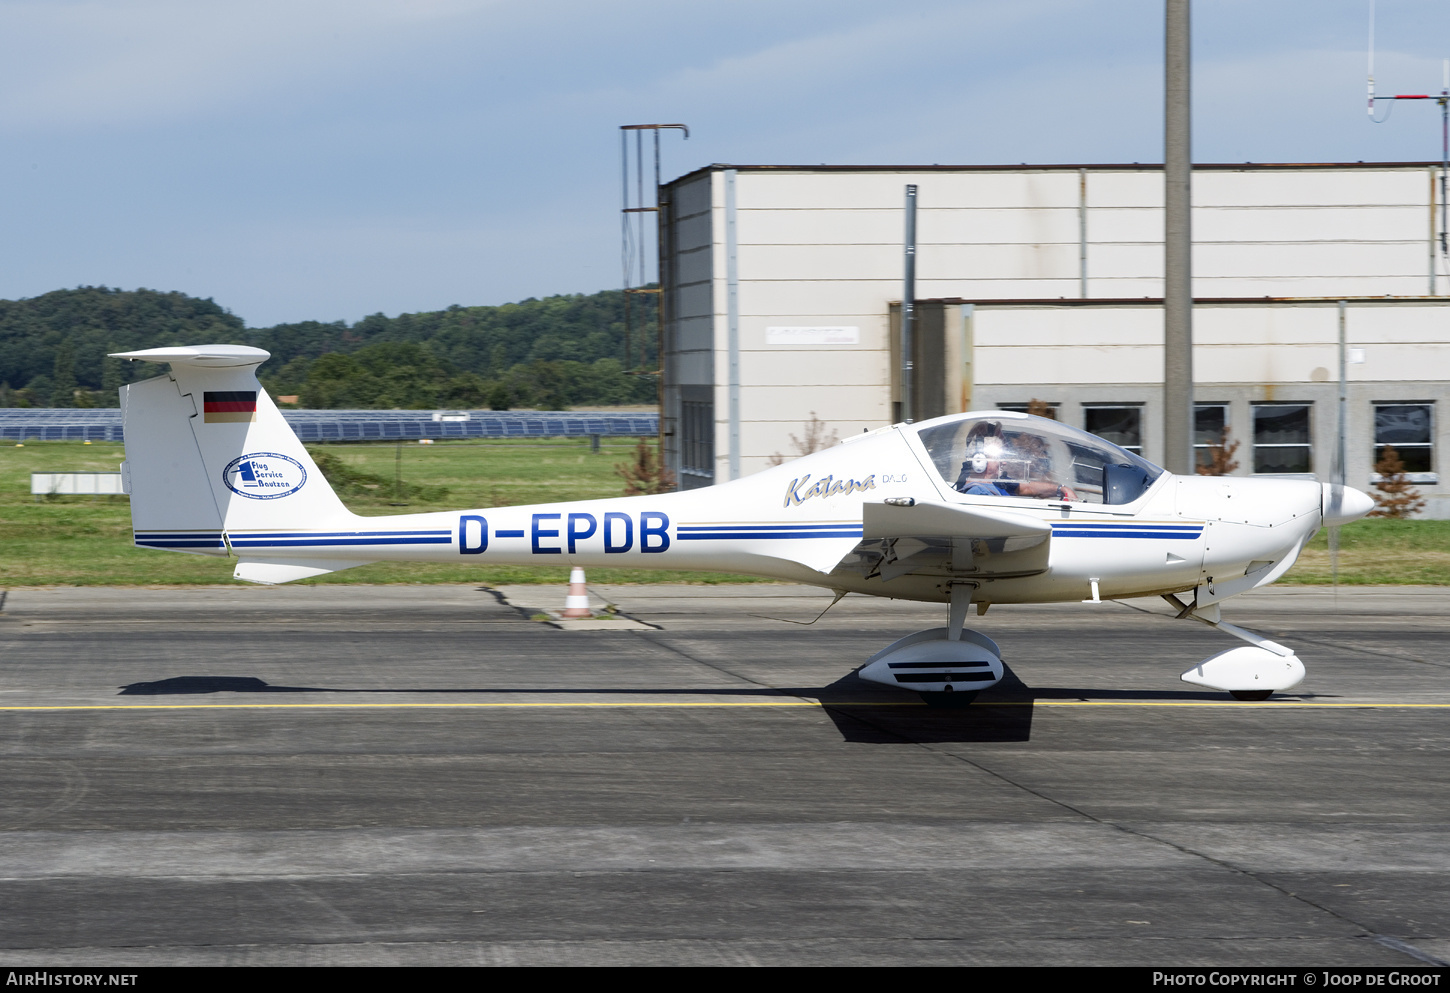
(576,604)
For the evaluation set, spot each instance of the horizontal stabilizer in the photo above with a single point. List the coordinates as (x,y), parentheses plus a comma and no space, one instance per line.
(927,518)
(200,356)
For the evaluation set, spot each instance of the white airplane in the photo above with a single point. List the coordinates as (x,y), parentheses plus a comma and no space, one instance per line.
(981,508)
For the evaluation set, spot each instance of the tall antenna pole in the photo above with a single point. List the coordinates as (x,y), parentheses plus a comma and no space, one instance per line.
(1178,245)
(659,290)
(626,260)
(908,306)
(639,199)
(1371,59)
(1444,150)
(1444,101)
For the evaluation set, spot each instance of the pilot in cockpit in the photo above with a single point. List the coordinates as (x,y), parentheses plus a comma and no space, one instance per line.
(995,465)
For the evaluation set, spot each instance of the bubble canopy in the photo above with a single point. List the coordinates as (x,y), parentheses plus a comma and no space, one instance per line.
(1007,454)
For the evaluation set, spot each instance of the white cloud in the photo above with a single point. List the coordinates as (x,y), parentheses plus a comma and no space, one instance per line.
(90,62)
(855,54)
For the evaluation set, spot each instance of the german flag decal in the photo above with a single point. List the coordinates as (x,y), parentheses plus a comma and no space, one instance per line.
(230,406)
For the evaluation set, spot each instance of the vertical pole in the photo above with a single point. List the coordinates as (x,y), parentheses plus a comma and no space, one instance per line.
(662,217)
(1434,264)
(1341,447)
(732,323)
(908,308)
(1444,154)
(639,198)
(969,375)
(1082,233)
(1371,60)
(657,164)
(1178,245)
(398,472)
(626,263)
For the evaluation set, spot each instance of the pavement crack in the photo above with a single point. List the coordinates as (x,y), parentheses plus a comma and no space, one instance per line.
(718,668)
(1309,639)
(1365,931)
(1351,647)
(503,601)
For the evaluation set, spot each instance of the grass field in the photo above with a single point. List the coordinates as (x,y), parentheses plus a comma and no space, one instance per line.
(87,541)
(1380,552)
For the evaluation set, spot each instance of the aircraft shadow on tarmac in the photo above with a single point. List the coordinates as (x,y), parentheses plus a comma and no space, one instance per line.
(860,711)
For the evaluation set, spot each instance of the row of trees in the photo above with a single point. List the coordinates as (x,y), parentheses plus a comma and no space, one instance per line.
(405,375)
(550,353)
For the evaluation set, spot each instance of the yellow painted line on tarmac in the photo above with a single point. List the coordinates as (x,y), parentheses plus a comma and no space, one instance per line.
(415,706)
(624,704)
(1237,704)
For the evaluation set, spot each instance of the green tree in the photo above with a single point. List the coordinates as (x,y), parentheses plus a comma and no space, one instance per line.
(553,352)
(94,320)
(63,378)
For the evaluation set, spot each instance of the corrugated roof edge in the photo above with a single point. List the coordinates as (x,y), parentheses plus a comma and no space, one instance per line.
(1061,167)
(1197,301)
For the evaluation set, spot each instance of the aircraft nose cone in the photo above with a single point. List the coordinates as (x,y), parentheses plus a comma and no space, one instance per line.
(1343,504)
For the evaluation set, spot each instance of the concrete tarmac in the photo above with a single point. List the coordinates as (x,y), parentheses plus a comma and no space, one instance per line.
(424,775)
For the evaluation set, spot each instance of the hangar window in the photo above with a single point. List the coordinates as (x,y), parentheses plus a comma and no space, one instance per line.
(1210,430)
(697,443)
(1121,424)
(1408,428)
(1281,438)
(1040,408)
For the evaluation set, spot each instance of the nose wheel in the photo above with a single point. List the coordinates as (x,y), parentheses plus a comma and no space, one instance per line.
(1250,672)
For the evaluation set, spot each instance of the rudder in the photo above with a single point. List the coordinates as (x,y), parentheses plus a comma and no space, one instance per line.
(210,458)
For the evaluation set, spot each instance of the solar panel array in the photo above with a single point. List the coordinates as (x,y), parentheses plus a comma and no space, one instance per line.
(104,424)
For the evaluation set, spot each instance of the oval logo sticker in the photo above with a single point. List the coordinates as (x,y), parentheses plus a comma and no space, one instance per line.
(264,476)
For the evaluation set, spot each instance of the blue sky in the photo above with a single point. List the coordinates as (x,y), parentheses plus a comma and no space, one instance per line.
(326,159)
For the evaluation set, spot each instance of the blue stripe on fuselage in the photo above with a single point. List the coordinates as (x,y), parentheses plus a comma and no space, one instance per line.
(1115,529)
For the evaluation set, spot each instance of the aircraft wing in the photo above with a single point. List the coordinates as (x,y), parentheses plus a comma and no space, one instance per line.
(928,518)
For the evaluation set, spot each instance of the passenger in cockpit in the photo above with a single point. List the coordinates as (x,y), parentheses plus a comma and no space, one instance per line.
(986,452)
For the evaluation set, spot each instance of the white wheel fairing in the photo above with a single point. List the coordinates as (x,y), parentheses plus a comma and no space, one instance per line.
(1247,667)
(930,662)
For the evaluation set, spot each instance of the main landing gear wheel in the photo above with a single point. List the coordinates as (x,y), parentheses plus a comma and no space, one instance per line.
(1249,672)
(950,699)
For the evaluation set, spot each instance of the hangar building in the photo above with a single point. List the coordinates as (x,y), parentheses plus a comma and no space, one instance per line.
(1044,283)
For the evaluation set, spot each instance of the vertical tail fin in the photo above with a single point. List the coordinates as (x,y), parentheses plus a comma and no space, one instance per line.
(209,455)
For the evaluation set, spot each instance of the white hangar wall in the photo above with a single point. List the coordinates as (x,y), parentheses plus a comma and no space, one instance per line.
(820,248)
